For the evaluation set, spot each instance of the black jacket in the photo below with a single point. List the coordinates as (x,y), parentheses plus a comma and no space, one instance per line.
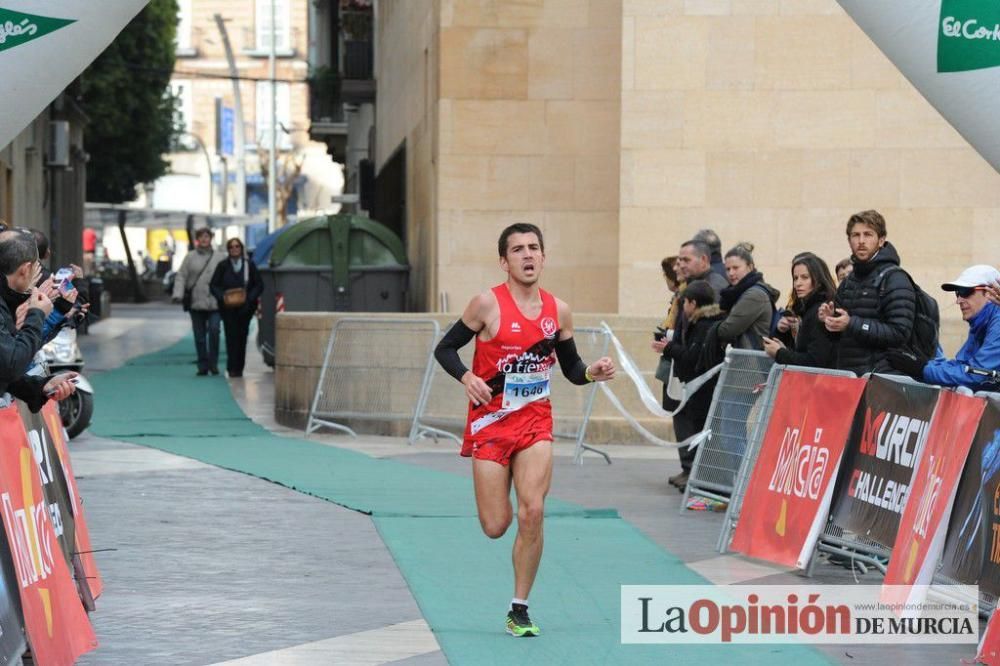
(225,278)
(17,350)
(881,318)
(686,353)
(812,346)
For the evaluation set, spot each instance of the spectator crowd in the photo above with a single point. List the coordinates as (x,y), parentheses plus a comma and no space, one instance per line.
(35,305)
(872,319)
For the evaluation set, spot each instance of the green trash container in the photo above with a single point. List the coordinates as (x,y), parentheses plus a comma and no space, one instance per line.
(338,263)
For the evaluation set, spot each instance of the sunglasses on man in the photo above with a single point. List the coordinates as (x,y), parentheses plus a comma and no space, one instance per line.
(965,292)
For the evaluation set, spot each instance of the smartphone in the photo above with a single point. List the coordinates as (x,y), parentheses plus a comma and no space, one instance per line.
(659,334)
(787,313)
(74,381)
(836,308)
(64,279)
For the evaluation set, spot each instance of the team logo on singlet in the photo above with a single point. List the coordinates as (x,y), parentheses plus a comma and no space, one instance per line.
(549,327)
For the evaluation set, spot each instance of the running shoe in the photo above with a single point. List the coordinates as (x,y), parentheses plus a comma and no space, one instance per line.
(519,624)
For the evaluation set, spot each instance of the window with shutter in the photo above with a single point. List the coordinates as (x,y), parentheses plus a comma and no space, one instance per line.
(284,115)
(281,24)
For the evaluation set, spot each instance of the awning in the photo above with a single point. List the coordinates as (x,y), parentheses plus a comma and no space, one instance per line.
(97,215)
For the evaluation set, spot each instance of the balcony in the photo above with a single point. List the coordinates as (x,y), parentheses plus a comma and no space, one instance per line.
(356,57)
(326,110)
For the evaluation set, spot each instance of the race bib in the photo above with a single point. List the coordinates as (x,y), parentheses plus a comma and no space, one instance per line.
(521,388)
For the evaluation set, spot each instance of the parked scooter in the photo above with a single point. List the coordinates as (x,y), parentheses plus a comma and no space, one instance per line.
(62,354)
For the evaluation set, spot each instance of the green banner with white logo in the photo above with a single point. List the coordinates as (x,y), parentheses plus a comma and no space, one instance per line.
(45,44)
(950,51)
(968,35)
(17,28)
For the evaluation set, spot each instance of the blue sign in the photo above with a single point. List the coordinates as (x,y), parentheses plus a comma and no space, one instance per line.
(227,131)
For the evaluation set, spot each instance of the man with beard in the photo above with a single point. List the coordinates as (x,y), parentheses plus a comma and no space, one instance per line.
(875,305)
(23,309)
(517,327)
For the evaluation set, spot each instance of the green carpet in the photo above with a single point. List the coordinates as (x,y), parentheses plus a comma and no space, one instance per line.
(460,579)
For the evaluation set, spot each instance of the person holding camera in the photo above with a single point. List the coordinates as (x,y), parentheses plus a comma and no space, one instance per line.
(191,288)
(685,350)
(237,286)
(801,338)
(23,309)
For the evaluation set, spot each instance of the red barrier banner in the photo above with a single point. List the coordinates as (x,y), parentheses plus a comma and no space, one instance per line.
(890,428)
(54,486)
(972,545)
(922,527)
(57,435)
(789,491)
(989,646)
(57,626)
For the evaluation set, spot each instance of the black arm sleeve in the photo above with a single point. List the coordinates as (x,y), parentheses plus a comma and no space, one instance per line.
(446,352)
(573,367)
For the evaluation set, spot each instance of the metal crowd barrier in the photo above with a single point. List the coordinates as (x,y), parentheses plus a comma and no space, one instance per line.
(756,441)
(374,370)
(444,407)
(733,419)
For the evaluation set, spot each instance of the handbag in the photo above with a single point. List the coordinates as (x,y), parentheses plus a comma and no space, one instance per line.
(234,298)
(664,369)
(237,296)
(189,293)
(665,373)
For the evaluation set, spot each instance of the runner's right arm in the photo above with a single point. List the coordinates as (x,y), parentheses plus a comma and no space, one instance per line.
(461,332)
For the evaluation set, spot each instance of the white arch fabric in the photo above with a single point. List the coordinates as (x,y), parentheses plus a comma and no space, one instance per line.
(950,51)
(44,45)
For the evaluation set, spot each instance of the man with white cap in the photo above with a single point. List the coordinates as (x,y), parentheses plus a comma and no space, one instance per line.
(981,348)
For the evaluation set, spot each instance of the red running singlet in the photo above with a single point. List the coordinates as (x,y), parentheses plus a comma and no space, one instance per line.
(517,366)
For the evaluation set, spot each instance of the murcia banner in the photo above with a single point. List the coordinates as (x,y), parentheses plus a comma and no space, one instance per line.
(56,623)
(922,527)
(44,45)
(790,488)
(890,428)
(950,52)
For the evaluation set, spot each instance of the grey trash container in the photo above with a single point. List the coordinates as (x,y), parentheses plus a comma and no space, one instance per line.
(338,263)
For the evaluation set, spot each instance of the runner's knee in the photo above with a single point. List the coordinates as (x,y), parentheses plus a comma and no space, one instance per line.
(529,515)
(495,527)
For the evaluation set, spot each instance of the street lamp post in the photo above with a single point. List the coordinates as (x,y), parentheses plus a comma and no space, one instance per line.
(208,161)
(272,204)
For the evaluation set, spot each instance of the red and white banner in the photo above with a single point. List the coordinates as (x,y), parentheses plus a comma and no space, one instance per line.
(57,626)
(788,495)
(989,647)
(922,527)
(50,414)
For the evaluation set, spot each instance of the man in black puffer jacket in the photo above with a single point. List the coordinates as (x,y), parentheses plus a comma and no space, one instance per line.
(875,304)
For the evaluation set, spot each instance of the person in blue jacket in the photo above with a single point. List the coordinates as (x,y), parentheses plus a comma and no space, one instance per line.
(981,348)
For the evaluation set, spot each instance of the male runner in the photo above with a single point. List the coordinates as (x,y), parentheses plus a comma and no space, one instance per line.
(509,429)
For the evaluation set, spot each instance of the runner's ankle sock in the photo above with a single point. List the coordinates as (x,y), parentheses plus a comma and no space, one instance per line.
(515,600)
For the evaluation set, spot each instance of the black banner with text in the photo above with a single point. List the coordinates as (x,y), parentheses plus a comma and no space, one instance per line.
(889,431)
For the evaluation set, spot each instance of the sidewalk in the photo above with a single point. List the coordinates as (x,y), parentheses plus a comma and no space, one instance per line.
(240,569)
